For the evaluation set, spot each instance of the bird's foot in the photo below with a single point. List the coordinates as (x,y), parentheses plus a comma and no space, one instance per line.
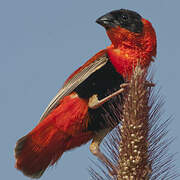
(95,103)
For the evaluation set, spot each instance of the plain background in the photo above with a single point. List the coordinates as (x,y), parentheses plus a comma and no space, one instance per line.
(44,41)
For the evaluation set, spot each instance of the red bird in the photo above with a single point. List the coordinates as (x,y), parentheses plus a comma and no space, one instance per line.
(75,114)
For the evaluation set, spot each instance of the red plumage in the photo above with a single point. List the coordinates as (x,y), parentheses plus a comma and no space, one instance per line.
(60,131)
(66,123)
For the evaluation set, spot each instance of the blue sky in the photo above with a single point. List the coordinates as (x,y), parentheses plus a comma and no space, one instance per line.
(43,41)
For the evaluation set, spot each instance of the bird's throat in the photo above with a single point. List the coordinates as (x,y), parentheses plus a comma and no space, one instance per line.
(125,59)
(129,49)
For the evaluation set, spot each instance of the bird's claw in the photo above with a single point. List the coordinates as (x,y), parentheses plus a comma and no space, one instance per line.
(124,85)
(149,84)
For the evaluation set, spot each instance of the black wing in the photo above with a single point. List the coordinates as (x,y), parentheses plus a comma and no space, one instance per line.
(74,82)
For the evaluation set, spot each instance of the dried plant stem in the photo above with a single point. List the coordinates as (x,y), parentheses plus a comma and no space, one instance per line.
(138,147)
(133,159)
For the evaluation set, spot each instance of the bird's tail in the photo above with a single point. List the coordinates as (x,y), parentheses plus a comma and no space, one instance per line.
(41,148)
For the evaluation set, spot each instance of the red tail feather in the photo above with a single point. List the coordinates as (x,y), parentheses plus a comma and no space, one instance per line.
(39,149)
(61,130)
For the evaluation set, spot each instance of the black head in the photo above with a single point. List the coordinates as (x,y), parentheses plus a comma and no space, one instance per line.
(124,18)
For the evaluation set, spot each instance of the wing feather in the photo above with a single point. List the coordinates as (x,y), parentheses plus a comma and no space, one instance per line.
(71,84)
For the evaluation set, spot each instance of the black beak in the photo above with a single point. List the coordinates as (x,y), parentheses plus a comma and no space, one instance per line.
(107,21)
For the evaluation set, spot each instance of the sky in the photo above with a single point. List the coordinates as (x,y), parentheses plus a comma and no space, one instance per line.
(43,41)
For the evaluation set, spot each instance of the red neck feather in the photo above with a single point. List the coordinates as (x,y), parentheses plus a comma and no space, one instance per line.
(130,48)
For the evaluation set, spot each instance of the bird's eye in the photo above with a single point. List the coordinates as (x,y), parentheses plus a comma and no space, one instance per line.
(124,17)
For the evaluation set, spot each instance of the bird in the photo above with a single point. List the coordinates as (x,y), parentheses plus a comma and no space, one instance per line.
(76,114)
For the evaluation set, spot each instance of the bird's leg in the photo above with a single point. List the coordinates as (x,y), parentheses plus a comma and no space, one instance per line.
(95,103)
(94,148)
